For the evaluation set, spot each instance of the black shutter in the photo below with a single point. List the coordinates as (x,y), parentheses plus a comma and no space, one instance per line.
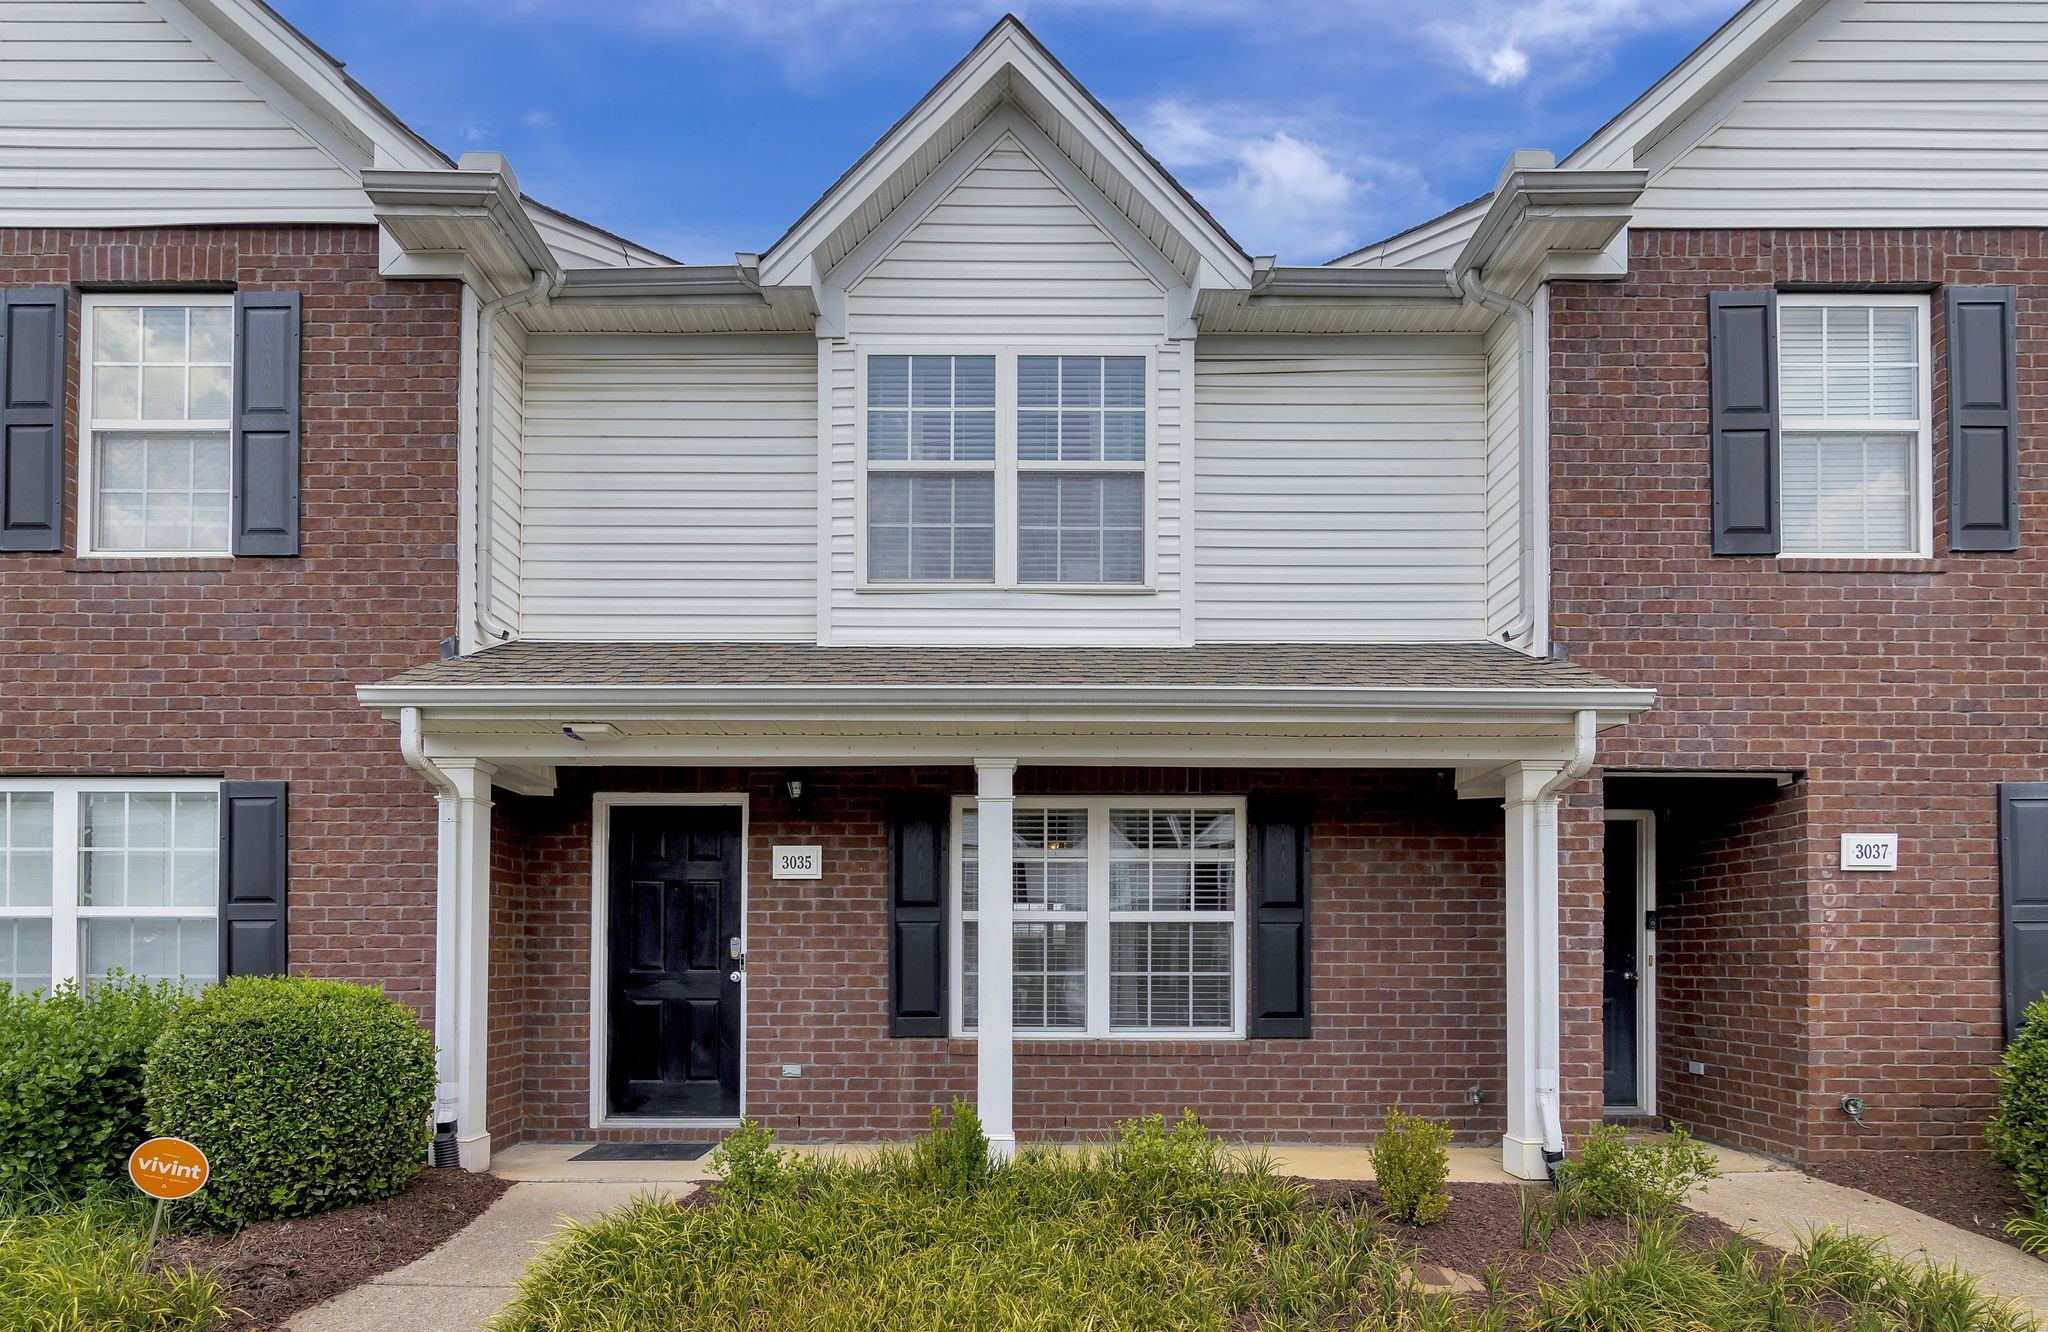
(32,419)
(917,915)
(253,878)
(2023,886)
(1983,419)
(1278,855)
(266,422)
(1742,372)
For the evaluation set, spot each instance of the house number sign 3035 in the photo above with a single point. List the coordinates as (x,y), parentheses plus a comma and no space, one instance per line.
(1870,851)
(798,862)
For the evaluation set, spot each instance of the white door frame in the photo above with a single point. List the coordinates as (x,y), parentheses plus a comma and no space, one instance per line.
(1646,960)
(601,806)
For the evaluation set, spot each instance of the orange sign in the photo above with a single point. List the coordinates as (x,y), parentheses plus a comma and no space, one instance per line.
(167,1168)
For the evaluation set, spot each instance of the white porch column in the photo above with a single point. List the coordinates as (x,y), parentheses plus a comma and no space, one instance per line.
(995,802)
(1533,1125)
(465,985)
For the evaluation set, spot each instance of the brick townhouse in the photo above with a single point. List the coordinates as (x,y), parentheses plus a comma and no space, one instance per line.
(1578,657)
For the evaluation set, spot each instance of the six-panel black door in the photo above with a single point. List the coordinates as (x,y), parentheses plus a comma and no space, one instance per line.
(674,1019)
(1620,1006)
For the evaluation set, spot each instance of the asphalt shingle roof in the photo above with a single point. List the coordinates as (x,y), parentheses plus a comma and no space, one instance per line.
(529,663)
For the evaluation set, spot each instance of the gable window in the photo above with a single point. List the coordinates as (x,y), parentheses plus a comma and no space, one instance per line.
(155,375)
(1126,917)
(104,875)
(1856,441)
(1006,470)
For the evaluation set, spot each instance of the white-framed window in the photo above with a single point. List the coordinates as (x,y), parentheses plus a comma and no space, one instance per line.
(1856,422)
(99,874)
(1006,467)
(1127,916)
(155,387)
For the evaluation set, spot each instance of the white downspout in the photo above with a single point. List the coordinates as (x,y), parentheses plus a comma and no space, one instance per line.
(1522,630)
(545,286)
(446,869)
(1585,726)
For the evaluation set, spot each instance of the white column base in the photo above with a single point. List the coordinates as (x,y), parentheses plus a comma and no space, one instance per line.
(473,1153)
(1003,1147)
(1523,1157)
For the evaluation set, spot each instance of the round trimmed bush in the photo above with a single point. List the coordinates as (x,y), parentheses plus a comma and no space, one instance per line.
(304,1095)
(2019,1131)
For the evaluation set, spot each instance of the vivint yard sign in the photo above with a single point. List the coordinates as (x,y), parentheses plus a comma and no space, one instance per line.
(1870,851)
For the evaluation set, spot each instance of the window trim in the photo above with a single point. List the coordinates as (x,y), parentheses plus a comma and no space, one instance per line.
(1923,450)
(65,911)
(89,425)
(1006,466)
(1098,919)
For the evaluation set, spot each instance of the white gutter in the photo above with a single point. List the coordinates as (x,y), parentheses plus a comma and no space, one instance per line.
(446,869)
(546,283)
(1585,725)
(1522,631)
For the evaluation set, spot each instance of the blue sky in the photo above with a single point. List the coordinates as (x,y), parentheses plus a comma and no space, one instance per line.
(701,127)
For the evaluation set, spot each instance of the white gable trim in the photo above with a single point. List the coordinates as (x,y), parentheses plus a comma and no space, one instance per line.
(1008,52)
(1697,80)
(1014,127)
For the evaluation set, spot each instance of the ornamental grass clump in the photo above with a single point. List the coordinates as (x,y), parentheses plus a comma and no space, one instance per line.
(70,1266)
(304,1095)
(1411,1162)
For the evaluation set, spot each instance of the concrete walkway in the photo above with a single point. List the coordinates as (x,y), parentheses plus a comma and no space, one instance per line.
(1778,1205)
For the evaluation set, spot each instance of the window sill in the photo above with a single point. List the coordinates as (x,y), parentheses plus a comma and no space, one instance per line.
(1859,564)
(1028,589)
(1124,1045)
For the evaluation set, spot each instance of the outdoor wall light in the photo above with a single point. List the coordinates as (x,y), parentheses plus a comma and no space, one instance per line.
(587,731)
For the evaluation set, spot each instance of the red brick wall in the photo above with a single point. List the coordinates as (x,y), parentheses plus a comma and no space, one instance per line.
(1407,968)
(1903,694)
(246,668)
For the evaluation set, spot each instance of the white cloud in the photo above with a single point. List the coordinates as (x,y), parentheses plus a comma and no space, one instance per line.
(1275,184)
(1499,39)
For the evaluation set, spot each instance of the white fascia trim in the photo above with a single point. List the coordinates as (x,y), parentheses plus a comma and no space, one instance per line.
(490,195)
(1226,704)
(1001,55)
(1693,82)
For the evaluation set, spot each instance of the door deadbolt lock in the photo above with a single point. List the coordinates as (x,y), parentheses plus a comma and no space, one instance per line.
(737,952)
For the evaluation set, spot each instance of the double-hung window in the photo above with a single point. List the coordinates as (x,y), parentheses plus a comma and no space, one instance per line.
(1006,469)
(155,374)
(1126,917)
(1855,410)
(109,874)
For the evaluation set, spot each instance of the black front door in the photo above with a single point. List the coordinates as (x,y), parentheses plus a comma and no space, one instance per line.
(674,1020)
(1620,1009)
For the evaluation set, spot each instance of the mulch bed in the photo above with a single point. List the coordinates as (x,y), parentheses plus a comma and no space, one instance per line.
(273,1269)
(1484,1225)
(1969,1190)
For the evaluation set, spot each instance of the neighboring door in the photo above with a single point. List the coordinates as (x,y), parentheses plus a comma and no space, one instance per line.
(1624,938)
(673,925)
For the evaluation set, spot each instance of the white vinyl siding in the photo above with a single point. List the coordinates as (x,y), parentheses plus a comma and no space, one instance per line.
(508,429)
(670,494)
(1342,493)
(111,117)
(1006,248)
(1503,476)
(1902,113)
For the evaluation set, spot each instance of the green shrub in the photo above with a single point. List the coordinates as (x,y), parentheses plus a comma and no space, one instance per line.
(951,1158)
(2018,1133)
(76,1267)
(1647,1178)
(1411,1161)
(303,1094)
(71,1061)
(748,1164)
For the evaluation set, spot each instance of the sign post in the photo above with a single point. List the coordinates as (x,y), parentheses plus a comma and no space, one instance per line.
(165,1169)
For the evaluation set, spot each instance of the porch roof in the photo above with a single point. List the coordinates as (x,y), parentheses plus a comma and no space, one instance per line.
(1434,667)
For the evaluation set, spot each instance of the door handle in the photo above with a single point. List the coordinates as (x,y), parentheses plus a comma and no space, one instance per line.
(734,977)
(1629,975)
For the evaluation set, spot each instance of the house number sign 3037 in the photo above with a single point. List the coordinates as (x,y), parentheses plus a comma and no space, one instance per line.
(798,862)
(1870,851)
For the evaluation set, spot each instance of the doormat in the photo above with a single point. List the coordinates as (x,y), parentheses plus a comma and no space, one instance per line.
(643,1151)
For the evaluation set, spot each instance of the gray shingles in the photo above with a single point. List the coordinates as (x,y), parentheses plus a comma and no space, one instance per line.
(1267,665)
